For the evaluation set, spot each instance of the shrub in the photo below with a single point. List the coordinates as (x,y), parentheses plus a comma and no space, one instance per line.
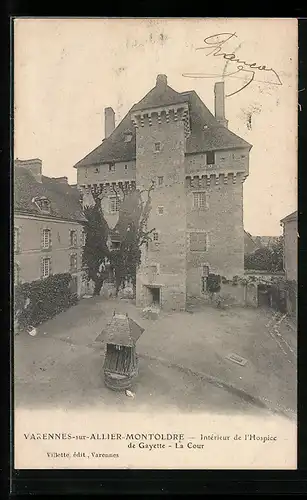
(41,300)
(213,283)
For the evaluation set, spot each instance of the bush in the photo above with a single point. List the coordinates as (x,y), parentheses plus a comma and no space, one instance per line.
(213,283)
(41,300)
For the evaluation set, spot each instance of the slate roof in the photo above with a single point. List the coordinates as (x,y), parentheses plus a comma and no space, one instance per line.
(122,330)
(64,199)
(213,137)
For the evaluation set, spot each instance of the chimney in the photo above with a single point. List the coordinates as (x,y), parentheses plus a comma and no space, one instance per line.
(219,103)
(161,81)
(61,180)
(34,166)
(109,121)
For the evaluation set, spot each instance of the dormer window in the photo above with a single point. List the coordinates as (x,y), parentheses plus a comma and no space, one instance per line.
(128,136)
(42,203)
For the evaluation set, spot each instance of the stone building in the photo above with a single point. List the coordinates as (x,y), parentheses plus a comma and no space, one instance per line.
(198,167)
(290,232)
(48,229)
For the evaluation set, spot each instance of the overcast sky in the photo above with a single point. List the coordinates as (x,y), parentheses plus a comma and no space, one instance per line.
(68,70)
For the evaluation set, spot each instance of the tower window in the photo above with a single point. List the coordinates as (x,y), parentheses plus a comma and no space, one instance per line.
(200,200)
(160,180)
(114,204)
(210,157)
(157,147)
(198,242)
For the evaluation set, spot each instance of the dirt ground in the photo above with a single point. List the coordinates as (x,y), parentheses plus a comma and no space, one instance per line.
(183,363)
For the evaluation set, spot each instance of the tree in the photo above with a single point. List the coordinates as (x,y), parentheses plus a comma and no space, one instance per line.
(132,232)
(96,252)
(266,258)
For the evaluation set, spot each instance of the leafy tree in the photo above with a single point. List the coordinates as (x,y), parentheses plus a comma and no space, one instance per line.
(132,232)
(96,252)
(266,258)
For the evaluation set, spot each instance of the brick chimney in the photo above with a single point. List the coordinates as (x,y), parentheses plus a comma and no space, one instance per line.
(219,103)
(33,165)
(161,81)
(109,121)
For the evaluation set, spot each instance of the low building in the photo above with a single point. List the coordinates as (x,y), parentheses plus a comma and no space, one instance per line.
(290,233)
(48,226)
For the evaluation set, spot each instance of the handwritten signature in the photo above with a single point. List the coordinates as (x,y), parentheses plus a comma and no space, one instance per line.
(215,44)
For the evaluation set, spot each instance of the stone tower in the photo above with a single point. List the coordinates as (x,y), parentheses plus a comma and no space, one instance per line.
(198,167)
(160,159)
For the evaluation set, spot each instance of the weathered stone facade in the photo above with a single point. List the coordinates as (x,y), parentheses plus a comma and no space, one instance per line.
(198,168)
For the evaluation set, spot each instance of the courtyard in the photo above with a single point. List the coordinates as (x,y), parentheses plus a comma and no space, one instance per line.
(185,361)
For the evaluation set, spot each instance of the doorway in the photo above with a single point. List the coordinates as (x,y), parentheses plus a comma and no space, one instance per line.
(154,295)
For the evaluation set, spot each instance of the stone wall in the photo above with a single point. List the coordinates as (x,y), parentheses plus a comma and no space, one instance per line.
(167,214)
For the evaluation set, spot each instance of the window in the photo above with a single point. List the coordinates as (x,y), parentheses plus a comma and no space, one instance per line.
(96,170)
(73,238)
(210,156)
(200,200)
(115,245)
(46,267)
(205,271)
(83,237)
(114,204)
(46,238)
(157,147)
(160,180)
(128,136)
(85,172)
(198,242)
(126,167)
(16,273)
(160,210)
(42,203)
(73,264)
(16,239)
(112,167)
(156,236)
(203,284)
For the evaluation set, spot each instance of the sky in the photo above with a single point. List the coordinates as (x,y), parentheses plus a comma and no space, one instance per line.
(66,71)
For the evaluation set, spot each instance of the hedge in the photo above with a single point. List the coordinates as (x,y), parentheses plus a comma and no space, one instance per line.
(41,300)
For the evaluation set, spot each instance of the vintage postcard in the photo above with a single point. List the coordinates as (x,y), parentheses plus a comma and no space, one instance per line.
(155,243)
